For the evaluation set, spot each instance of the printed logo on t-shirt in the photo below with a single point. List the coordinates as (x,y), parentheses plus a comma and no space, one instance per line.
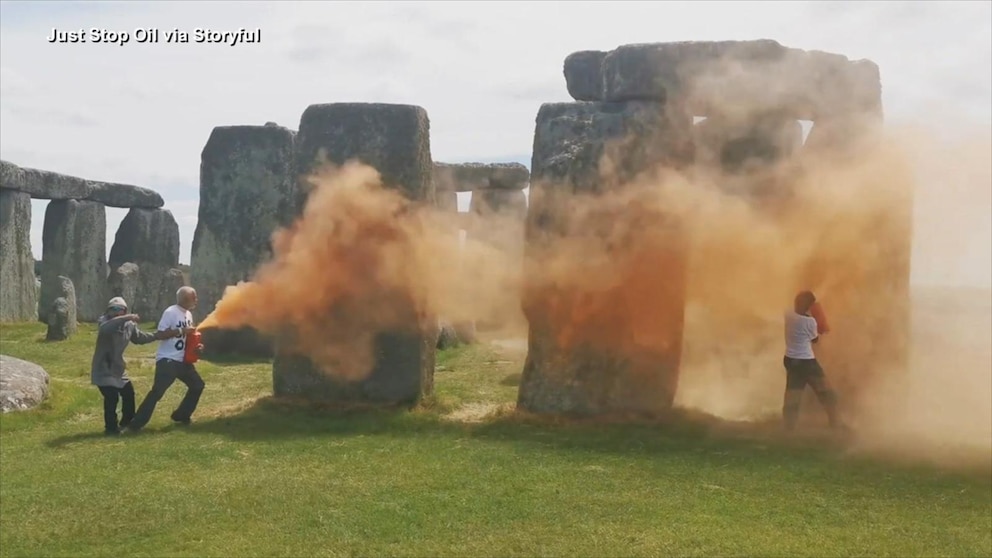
(180,344)
(174,348)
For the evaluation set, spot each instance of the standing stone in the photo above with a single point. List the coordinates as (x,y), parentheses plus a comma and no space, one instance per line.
(125,282)
(447,337)
(247,191)
(174,280)
(67,292)
(18,301)
(602,349)
(74,244)
(60,325)
(395,140)
(149,240)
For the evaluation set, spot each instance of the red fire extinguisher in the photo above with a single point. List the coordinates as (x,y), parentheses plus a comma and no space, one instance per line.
(816,311)
(192,353)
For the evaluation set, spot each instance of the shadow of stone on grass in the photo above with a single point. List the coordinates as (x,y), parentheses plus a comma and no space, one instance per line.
(677,433)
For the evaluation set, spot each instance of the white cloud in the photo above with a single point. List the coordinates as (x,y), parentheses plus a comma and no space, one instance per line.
(141,113)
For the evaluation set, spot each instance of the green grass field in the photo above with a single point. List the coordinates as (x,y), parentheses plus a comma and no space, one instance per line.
(462,475)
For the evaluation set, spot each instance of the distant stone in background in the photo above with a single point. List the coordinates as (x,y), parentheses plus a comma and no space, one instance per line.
(74,245)
(62,314)
(447,337)
(148,240)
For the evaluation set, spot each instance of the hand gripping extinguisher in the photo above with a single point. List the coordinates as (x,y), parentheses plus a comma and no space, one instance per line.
(192,353)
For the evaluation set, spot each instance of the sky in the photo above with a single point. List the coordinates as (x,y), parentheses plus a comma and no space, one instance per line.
(141,113)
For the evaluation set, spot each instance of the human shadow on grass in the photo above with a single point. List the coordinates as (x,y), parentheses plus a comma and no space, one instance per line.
(678,432)
(95,435)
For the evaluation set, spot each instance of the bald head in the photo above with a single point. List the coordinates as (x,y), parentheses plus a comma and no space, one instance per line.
(186,297)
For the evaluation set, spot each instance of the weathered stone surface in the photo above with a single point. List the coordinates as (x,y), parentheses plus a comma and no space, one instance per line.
(247,191)
(18,301)
(467,177)
(572,138)
(60,325)
(67,291)
(74,244)
(125,195)
(582,356)
(23,384)
(125,282)
(447,337)
(149,240)
(508,176)
(584,75)
(174,279)
(395,140)
(49,185)
(146,236)
(721,76)
(43,184)
(508,203)
(148,288)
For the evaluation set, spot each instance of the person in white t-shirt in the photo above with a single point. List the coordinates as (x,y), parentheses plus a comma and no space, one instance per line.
(801,366)
(170,365)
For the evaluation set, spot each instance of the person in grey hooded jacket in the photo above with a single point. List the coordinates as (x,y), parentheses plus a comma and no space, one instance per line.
(118,329)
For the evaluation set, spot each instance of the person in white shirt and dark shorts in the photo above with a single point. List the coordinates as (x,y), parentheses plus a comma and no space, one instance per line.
(801,367)
(170,364)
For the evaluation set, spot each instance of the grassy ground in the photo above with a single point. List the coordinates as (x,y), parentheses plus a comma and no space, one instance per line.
(460,476)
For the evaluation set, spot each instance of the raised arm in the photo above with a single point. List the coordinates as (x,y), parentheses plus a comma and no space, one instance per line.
(114,324)
(139,337)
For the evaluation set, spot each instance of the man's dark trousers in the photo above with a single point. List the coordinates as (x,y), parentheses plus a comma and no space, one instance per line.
(166,373)
(111,395)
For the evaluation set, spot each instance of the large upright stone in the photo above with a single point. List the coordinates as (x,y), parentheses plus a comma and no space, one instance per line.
(395,140)
(612,346)
(18,302)
(74,244)
(149,239)
(125,282)
(247,191)
(146,235)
